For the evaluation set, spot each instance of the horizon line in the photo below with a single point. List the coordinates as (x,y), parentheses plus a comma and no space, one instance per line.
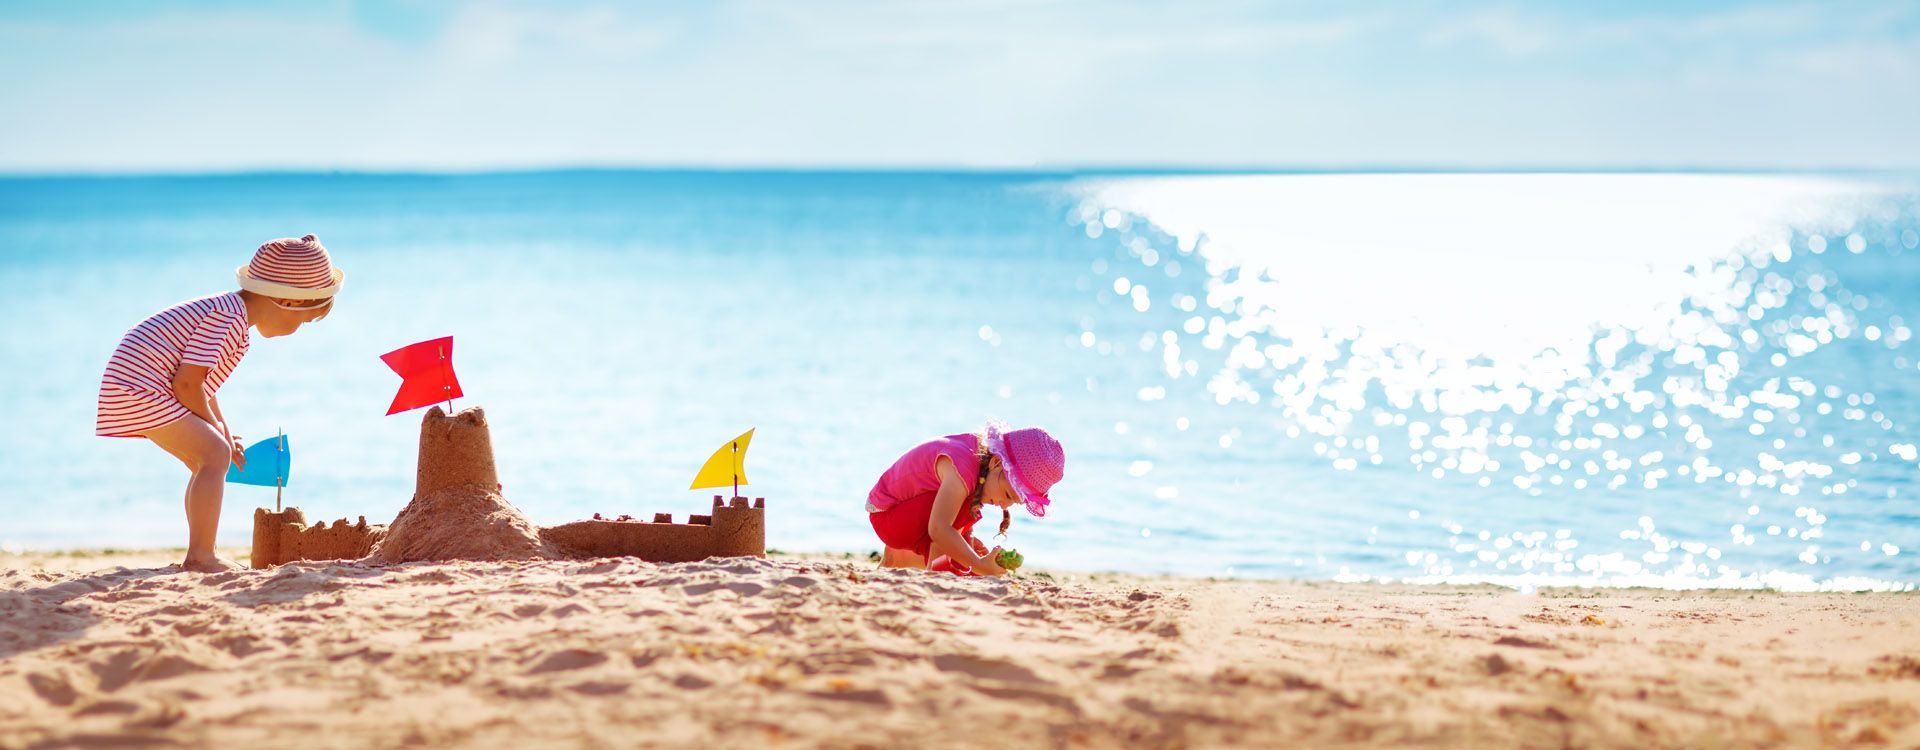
(1062,170)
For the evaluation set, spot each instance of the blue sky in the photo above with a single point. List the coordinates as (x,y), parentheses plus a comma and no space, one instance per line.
(147,86)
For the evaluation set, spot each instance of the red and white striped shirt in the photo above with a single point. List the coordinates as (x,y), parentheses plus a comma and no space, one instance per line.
(136,393)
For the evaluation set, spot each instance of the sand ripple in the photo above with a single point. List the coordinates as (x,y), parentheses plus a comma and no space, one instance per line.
(804,653)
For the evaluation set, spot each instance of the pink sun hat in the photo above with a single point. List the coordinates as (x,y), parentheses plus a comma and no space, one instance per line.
(1034,462)
(290,268)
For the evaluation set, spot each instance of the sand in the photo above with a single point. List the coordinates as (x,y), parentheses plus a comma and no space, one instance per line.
(812,652)
(465,522)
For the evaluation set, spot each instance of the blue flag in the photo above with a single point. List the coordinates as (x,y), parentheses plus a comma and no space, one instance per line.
(267,464)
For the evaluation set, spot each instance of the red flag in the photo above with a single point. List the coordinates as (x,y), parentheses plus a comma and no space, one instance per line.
(426,374)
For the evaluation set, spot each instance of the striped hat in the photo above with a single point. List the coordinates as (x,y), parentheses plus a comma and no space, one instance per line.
(291,269)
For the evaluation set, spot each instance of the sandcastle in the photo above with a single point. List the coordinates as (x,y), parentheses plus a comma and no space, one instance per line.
(285,536)
(458,513)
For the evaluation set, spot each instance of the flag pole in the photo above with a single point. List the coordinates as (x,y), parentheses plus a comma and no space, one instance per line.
(445,387)
(279,467)
(736,471)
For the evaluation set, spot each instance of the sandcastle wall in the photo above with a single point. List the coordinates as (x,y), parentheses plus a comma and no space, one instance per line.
(456,468)
(285,536)
(734,529)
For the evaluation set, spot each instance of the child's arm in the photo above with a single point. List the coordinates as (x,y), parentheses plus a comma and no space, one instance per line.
(233,441)
(213,402)
(946,507)
(190,388)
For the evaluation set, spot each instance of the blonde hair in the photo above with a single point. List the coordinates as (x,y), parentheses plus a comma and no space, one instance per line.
(250,294)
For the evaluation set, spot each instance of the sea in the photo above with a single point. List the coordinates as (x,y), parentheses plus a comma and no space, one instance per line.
(1681,380)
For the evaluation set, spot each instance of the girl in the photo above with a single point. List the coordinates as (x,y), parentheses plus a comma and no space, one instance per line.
(931,497)
(159,385)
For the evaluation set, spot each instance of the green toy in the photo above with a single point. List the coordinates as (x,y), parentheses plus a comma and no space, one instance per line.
(1009,560)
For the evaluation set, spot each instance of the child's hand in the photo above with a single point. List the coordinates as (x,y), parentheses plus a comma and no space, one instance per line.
(987,567)
(979,547)
(239,455)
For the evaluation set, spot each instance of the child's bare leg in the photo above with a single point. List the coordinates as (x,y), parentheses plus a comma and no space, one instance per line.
(199,446)
(901,558)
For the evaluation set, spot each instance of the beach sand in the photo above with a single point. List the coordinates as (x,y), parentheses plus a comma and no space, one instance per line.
(105,649)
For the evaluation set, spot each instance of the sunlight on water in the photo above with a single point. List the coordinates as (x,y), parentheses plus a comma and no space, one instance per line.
(1602,379)
(1559,336)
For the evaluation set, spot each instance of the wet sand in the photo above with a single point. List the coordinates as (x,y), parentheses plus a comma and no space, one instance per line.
(110,649)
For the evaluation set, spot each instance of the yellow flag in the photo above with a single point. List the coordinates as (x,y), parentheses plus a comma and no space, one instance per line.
(727,467)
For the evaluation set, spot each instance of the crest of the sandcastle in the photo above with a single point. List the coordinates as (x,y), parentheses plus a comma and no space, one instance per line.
(455,452)
(458,512)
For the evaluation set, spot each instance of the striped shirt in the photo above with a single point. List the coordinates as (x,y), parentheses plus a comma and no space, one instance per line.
(136,393)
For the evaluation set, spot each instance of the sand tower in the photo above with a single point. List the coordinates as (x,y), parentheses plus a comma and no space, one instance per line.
(457,511)
(455,451)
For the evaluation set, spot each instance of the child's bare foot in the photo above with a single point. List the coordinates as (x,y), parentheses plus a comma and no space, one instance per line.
(213,564)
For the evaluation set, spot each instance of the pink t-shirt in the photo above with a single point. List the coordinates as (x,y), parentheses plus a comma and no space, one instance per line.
(914,474)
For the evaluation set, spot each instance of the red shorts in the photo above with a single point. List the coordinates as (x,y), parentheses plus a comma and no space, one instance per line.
(904,526)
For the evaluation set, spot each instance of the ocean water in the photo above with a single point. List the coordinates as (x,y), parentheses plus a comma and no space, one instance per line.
(1612,379)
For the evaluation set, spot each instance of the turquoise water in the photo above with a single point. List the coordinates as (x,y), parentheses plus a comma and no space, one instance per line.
(1676,380)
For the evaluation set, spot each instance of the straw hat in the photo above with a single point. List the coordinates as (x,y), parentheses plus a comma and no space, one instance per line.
(290,268)
(1034,462)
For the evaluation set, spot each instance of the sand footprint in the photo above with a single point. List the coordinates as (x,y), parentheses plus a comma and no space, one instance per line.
(128,666)
(872,696)
(1032,695)
(243,645)
(691,681)
(568,660)
(743,588)
(54,687)
(986,668)
(599,687)
(108,707)
(525,611)
(571,609)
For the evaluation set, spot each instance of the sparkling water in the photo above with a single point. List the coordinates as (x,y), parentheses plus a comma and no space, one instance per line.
(1618,379)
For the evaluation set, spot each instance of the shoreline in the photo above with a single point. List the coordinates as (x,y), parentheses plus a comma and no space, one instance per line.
(817,652)
(153,557)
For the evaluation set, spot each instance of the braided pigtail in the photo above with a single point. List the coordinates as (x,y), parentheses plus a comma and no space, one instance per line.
(976,500)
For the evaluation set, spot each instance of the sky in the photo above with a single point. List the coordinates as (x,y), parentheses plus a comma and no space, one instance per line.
(137,87)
